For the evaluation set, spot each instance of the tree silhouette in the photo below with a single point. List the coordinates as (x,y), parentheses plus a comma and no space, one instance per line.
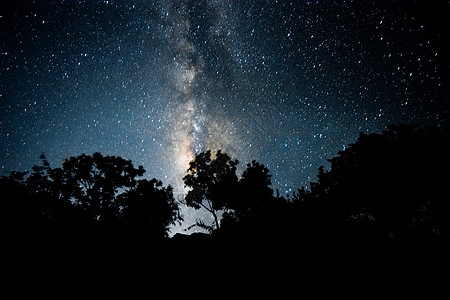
(86,192)
(212,184)
(390,182)
(94,181)
(254,198)
(384,187)
(149,207)
(16,208)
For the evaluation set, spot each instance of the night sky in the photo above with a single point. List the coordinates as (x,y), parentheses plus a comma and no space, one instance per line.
(286,83)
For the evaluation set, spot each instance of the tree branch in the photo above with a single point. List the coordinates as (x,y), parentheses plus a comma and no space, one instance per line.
(202,205)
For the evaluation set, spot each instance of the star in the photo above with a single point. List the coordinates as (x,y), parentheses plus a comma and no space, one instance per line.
(285,83)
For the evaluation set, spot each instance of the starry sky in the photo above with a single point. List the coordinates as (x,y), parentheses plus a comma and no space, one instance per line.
(286,83)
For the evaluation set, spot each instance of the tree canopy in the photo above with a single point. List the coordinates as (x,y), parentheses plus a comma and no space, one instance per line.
(392,183)
(90,191)
(211,182)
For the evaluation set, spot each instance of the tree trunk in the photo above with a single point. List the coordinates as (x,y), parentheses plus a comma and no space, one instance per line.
(215,219)
(211,210)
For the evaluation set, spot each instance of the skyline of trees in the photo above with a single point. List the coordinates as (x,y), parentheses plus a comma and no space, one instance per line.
(384,186)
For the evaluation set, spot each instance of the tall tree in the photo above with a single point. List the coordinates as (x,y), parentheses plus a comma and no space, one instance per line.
(254,194)
(212,183)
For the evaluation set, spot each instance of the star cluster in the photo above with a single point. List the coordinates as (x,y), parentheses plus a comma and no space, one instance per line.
(287,83)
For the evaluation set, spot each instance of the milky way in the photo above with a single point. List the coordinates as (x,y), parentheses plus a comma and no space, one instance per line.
(286,83)
(193,126)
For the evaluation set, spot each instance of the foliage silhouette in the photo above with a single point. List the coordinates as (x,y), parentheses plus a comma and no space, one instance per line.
(88,194)
(247,203)
(254,207)
(212,183)
(150,206)
(94,182)
(384,188)
(254,190)
(381,193)
(390,184)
